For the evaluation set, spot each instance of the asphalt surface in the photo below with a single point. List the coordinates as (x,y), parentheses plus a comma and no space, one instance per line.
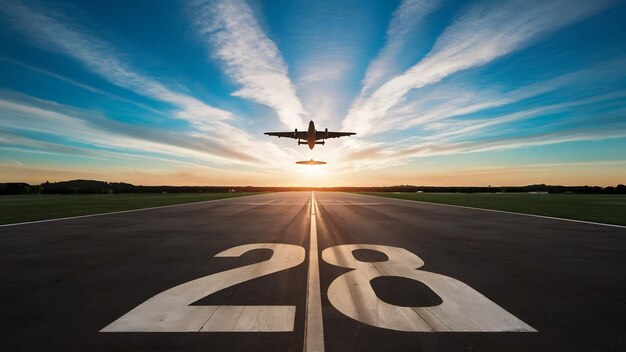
(62,282)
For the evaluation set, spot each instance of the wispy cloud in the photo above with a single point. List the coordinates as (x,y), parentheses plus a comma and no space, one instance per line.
(482,34)
(454,117)
(326,44)
(446,105)
(250,57)
(475,127)
(54,31)
(382,155)
(400,33)
(21,113)
(500,133)
(81,85)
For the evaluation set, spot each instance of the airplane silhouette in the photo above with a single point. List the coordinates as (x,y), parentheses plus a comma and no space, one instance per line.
(311,136)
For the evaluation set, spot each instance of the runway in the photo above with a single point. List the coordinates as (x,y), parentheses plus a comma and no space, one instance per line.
(312,272)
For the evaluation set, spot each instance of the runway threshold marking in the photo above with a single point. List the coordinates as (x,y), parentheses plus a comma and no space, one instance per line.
(314,325)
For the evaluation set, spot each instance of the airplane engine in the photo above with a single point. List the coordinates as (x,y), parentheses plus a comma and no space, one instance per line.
(326,131)
(295,133)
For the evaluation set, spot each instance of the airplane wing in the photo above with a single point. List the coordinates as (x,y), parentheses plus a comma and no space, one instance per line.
(294,135)
(325,135)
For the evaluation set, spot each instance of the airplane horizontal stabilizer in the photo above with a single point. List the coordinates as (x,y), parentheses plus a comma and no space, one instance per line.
(310,162)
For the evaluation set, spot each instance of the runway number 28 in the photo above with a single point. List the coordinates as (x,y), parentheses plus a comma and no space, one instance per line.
(463,308)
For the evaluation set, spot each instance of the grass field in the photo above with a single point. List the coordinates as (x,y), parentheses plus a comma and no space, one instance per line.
(39,207)
(604,208)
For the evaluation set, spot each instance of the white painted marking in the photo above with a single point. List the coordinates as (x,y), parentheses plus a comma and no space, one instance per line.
(503,211)
(170,310)
(314,325)
(348,204)
(118,212)
(251,319)
(273,205)
(463,308)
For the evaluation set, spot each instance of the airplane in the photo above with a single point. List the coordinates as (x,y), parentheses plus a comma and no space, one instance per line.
(311,136)
(311,162)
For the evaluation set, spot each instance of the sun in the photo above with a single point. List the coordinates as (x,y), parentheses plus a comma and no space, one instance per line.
(312,170)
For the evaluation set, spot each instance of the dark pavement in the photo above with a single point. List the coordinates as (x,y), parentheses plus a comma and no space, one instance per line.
(61,282)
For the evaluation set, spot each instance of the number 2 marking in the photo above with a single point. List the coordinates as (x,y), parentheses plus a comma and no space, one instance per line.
(170,310)
(463,308)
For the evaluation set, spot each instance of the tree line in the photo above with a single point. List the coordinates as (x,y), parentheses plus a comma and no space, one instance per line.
(101,187)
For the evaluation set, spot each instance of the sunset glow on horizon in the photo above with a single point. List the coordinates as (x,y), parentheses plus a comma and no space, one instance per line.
(442,93)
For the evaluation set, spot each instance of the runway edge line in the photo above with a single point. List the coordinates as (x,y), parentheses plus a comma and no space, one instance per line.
(120,211)
(498,211)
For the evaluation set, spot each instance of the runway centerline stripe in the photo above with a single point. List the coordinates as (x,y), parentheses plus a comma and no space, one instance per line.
(314,325)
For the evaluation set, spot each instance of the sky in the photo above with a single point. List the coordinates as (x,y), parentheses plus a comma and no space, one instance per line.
(439,92)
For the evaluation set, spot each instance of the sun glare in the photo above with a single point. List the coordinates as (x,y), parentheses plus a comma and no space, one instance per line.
(313,170)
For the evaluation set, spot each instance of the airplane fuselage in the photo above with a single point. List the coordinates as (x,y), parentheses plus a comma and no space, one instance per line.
(311,136)
(310,139)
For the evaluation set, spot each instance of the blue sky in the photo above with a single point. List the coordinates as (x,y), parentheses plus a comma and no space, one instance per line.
(440,92)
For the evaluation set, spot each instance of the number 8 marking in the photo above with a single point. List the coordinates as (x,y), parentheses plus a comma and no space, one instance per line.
(463,308)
